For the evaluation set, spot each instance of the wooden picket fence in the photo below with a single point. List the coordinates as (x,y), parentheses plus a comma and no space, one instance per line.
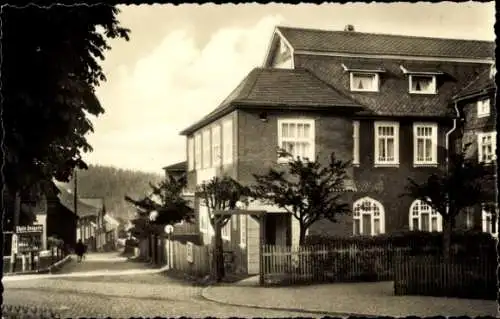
(189,258)
(322,263)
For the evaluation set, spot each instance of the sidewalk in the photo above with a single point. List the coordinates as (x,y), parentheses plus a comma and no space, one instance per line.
(343,299)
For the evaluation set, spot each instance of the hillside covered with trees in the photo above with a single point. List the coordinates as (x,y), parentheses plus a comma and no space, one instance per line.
(113,184)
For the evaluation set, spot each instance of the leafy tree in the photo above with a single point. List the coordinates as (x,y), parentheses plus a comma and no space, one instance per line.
(464,183)
(220,194)
(306,189)
(48,86)
(167,203)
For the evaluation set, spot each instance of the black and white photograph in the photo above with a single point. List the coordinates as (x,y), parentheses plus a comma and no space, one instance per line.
(249,160)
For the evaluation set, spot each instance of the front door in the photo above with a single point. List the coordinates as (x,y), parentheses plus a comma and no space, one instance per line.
(270,229)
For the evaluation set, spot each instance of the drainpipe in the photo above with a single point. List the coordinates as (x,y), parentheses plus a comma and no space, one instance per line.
(447,135)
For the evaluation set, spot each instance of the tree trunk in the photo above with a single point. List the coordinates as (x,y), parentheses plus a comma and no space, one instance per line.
(218,256)
(302,235)
(448,228)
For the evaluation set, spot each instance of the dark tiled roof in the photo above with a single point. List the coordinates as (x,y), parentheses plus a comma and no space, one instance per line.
(84,209)
(393,98)
(483,82)
(356,66)
(385,44)
(416,69)
(267,87)
(181,166)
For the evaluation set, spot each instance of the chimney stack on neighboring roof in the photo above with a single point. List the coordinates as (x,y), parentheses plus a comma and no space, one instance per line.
(349,28)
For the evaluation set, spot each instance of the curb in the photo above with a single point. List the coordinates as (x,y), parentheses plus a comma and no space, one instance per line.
(47,270)
(299,310)
(57,266)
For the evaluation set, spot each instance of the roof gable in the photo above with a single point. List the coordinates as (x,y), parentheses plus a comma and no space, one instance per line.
(385,44)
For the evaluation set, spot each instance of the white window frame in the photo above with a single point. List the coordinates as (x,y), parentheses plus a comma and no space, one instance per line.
(480,154)
(190,153)
(227,142)
(434,143)
(311,139)
(417,209)
(216,139)
(433,86)
(355,142)
(197,151)
(206,149)
(226,231)
(243,230)
(483,107)
(486,222)
(395,161)
(375,80)
(358,215)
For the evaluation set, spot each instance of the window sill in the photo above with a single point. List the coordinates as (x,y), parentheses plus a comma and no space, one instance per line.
(355,164)
(242,246)
(479,116)
(425,165)
(365,91)
(226,238)
(382,165)
(423,93)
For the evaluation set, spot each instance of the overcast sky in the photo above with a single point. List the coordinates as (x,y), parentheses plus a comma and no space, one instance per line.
(182,61)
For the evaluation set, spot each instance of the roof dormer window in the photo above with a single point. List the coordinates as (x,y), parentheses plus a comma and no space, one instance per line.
(422,84)
(366,82)
(422,80)
(364,78)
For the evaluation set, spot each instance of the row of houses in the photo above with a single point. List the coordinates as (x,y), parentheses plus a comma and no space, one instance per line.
(396,106)
(55,210)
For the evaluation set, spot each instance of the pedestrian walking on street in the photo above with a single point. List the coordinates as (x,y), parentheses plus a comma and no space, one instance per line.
(79,250)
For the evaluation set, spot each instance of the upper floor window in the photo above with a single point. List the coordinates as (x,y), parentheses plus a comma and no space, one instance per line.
(368,217)
(483,108)
(190,153)
(364,82)
(355,141)
(386,143)
(424,218)
(206,149)
(422,84)
(296,136)
(227,142)
(425,143)
(216,149)
(197,151)
(486,147)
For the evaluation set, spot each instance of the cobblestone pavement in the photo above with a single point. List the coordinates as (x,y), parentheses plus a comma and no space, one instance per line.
(125,296)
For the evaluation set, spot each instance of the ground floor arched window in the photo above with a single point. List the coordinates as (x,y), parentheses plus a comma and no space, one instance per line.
(490,221)
(368,217)
(424,218)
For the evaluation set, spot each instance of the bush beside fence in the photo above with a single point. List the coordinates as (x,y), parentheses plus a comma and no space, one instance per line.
(325,263)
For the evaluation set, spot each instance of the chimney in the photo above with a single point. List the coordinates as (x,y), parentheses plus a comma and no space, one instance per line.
(349,28)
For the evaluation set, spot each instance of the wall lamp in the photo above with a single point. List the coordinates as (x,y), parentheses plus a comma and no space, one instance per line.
(263,117)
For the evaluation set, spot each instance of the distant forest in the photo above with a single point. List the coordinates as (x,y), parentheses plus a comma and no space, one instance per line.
(113,184)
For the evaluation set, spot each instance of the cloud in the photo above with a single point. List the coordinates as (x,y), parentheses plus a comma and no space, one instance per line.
(151,100)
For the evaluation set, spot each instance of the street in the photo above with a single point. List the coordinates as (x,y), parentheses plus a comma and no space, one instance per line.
(95,288)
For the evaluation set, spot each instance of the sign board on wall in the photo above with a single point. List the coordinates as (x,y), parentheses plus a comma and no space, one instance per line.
(29,238)
(189,252)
